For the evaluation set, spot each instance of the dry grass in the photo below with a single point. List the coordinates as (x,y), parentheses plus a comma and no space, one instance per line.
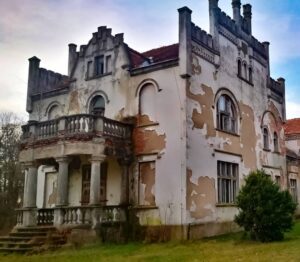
(225,248)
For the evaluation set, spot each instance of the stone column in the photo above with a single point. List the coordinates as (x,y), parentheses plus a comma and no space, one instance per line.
(62,181)
(30,189)
(95,179)
(95,192)
(124,199)
(62,189)
(30,186)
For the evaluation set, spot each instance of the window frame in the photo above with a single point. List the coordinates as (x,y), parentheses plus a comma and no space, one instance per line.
(228,178)
(293,189)
(227,118)
(266,136)
(275,142)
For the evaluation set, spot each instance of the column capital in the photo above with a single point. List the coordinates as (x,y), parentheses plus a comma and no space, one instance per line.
(98,158)
(63,159)
(28,164)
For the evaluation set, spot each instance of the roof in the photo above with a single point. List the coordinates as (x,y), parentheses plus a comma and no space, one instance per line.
(292,126)
(156,55)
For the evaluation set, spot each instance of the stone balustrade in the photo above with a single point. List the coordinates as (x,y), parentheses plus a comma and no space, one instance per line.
(67,126)
(77,215)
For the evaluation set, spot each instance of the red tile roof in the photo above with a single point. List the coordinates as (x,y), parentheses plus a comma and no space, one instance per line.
(160,54)
(292,126)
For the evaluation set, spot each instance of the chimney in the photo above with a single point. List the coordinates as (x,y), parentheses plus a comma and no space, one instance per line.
(236,8)
(33,79)
(185,39)
(247,12)
(72,58)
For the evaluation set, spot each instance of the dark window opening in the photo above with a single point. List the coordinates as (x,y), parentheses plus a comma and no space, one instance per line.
(99,65)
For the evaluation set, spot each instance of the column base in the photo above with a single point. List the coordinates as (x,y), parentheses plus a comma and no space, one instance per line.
(29,217)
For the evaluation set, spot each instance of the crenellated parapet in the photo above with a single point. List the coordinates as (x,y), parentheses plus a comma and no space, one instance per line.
(202,36)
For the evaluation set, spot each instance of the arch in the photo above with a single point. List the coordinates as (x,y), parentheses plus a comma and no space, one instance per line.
(263,116)
(50,110)
(97,105)
(147,101)
(146,82)
(227,111)
(94,94)
(226,91)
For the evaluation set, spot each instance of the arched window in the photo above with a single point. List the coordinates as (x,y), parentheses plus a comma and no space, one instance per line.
(97,105)
(245,71)
(147,101)
(250,75)
(266,138)
(275,141)
(226,114)
(239,68)
(53,112)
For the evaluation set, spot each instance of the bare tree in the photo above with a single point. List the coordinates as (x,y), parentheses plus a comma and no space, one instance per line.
(11,178)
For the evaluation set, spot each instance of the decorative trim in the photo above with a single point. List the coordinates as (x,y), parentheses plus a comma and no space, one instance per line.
(148,81)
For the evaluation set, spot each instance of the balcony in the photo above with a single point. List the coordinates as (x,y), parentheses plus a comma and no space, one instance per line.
(78,134)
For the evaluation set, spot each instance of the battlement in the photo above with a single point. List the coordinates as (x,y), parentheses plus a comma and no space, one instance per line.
(277,86)
(226,21)
(202,36)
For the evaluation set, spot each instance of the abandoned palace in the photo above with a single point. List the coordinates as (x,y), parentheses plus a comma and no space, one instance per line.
(160,140)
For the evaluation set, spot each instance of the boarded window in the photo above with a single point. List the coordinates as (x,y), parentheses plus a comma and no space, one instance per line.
(146,192)
(86,184)
(293,189)
(227,182)
(147,102)
(97,105)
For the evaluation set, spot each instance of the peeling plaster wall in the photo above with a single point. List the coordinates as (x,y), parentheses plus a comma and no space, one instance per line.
(113,190)
(75,185)
(206,144)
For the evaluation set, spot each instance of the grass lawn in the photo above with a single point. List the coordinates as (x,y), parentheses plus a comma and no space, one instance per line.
(225,248)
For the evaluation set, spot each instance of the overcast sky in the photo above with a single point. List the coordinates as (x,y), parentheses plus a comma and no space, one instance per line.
(44,28)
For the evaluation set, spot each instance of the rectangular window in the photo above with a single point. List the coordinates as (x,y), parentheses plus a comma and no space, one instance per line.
(277,180)
(108,64)
(89,69)
(293,189)
(99,65)
(146,190)
(227,182)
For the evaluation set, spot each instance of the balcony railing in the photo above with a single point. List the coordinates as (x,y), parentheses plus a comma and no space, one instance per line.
(75,125)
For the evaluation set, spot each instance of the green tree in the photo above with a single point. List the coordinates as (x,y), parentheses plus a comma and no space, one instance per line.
(265,212)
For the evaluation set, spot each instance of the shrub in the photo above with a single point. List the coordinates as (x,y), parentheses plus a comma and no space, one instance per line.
(265,212)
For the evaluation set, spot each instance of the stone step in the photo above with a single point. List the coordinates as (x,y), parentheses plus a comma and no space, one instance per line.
(36,229)
(19,244)
(15,250)
(14,239)
(28,234)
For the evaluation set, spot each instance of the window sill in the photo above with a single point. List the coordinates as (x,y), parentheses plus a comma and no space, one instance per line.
(245,80)
(97,76)
(227,132)
(276,152)
(148,124)
(267,150)
(226,205)
(141,207)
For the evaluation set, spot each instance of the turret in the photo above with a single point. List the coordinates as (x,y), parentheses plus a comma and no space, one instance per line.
(213,21)
(247,13)
(33,78)
(72,58)
(236,9)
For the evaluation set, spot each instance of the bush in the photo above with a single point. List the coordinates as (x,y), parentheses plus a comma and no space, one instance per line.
(266,212)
